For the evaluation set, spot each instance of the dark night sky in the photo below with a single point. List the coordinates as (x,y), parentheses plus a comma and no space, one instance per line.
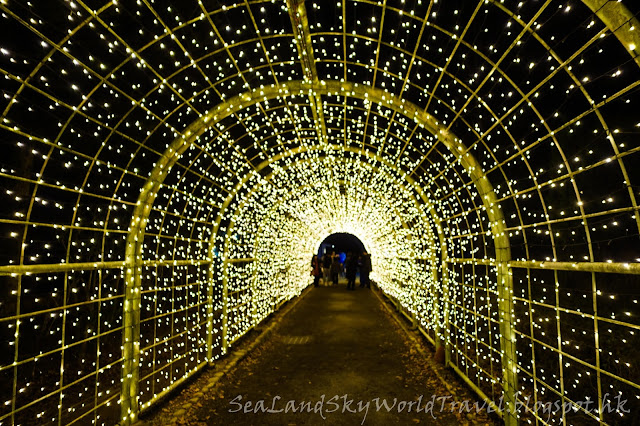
(344,242)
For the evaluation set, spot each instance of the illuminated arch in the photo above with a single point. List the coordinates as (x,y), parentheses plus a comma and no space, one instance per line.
(196,129)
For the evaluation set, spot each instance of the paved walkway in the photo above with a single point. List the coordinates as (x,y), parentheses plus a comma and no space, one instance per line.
(337,351)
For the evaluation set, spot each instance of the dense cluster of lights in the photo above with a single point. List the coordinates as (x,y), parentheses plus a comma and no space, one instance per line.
(169,167)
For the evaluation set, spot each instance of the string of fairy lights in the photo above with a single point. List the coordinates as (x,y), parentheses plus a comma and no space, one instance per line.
(375,118)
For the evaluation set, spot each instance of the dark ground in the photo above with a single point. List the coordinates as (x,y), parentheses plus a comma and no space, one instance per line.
(332,343)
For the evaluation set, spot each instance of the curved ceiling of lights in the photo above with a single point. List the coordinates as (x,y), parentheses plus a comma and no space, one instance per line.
(168,168)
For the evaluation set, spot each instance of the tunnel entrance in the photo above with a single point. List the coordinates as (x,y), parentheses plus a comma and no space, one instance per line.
(341,243)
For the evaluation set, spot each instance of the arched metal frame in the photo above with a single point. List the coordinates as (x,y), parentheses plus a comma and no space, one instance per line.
(147,197)
(617,19)
(332,228)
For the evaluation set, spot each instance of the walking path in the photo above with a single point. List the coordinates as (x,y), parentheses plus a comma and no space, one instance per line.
(333,347)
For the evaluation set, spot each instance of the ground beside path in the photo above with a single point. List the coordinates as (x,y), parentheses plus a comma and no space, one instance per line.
(333,347)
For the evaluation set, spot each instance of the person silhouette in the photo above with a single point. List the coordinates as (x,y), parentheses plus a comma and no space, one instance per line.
(351,266)
(326,268)
(336,268)
(316,270)
(365,269)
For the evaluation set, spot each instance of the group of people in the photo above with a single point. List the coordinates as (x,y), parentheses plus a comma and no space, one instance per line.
(330,268)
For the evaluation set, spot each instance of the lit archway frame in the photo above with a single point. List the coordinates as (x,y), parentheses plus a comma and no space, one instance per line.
(414,189)
(135,238)
(422,203)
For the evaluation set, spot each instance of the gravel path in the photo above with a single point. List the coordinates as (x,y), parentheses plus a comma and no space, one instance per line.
(334,346)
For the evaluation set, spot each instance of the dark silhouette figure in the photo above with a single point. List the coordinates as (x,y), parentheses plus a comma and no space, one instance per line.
(365,269)
(336,268)
(351,266)
(316,270)
(326,268)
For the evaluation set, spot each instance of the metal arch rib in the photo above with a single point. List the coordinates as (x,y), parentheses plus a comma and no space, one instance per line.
(626,27)
(302,36)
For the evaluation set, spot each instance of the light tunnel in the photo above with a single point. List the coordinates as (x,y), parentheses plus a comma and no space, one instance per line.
(168,169)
